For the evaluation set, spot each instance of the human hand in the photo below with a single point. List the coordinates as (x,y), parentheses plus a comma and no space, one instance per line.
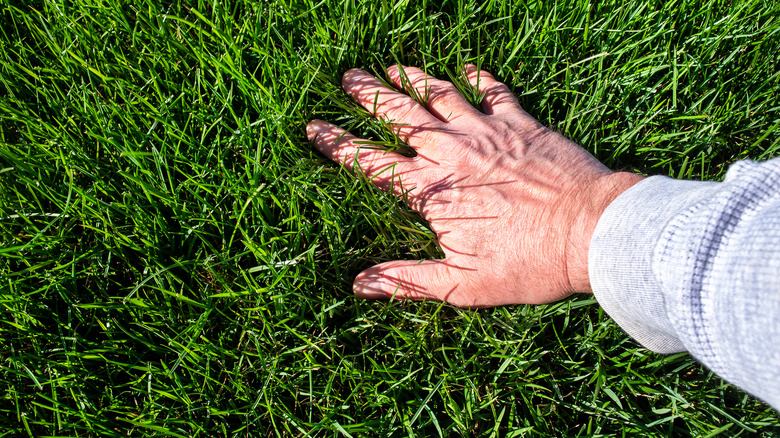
(513,204)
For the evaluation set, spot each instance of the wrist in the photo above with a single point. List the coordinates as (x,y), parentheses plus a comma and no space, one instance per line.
(594,200)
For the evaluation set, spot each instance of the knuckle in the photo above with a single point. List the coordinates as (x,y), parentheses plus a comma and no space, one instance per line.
(481,78)
(497,88)
(444,95)
(396,115)
(443,88)
(425,136)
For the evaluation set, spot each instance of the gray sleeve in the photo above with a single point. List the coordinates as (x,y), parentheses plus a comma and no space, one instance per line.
(695,266)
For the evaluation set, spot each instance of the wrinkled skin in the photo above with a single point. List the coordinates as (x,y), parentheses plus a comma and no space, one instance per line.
(513,204)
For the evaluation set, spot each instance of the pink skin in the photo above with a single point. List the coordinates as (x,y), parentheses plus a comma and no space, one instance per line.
(513,204)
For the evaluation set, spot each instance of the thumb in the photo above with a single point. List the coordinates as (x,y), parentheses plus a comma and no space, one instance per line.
(413,279)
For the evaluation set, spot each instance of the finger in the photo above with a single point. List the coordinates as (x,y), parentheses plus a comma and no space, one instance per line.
(413,279)
(408,119)
(498,98)
(441,97)
(384,168)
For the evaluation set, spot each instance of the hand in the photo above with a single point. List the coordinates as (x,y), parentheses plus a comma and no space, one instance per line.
(513,204)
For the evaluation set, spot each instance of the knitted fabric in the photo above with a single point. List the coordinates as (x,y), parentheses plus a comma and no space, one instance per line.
(695,266)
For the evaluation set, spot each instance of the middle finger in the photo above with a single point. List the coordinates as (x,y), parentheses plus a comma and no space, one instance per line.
(442,98)
(408,119)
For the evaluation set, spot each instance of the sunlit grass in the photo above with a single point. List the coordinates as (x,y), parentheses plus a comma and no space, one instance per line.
(176,259)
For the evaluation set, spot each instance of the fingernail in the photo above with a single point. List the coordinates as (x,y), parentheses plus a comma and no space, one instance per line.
(368,285)
(314,127)
(350,75)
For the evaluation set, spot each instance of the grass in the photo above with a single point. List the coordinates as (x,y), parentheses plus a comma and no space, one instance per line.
(176,259)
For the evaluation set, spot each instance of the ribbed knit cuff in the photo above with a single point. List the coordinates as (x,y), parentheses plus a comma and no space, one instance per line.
(621,254)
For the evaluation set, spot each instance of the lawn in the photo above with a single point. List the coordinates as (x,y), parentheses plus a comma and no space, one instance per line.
(176,259)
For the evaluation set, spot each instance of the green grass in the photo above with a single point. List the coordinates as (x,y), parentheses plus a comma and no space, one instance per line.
(176,259)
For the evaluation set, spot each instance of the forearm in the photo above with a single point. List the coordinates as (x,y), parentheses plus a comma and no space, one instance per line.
(692,266)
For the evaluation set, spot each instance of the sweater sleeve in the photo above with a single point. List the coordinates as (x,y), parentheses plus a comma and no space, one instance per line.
(695,266)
